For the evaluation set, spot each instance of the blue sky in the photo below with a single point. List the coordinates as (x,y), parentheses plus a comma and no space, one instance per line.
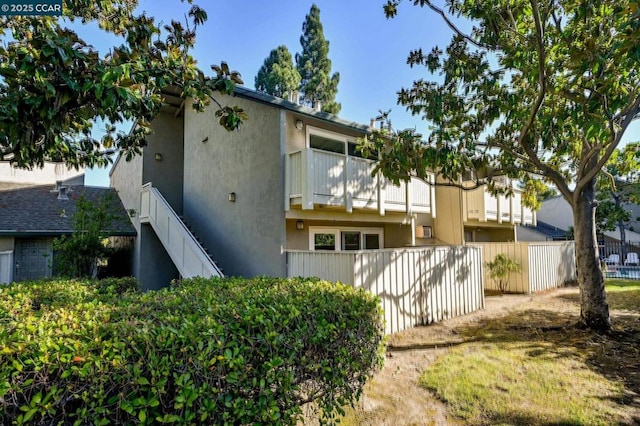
(367,50)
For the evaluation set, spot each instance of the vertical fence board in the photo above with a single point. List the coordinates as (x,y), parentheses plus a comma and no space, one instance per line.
(415,286)
(544,265)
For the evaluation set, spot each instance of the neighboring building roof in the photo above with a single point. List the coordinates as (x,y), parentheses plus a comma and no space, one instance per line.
(37,210)
(550,232)
(630,236)
(556,212)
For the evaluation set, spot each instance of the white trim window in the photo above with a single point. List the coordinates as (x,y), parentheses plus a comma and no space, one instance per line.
(345,239)
(325,140)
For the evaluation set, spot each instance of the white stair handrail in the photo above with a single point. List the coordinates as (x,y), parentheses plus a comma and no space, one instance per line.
(190,258)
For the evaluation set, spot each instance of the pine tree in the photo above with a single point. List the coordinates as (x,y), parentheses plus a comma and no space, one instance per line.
(277,75)
(314,66)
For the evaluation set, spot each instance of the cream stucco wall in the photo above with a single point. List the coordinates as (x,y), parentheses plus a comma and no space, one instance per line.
(48,174)
(245,237)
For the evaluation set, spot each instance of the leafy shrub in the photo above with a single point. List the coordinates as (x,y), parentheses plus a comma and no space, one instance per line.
(117,286)
(77,255)
(499,269)
(203,352)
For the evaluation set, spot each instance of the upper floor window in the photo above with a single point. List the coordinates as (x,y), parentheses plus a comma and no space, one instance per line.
(326,144)
(333,142)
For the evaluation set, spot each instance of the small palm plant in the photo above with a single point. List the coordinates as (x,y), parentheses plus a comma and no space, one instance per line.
(499,269)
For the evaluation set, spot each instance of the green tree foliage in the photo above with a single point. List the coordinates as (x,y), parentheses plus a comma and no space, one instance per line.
(500,268)
(54,84)
(77,255)
(277,75)
(314,65)
(207,352)
(534,89)
(618,186)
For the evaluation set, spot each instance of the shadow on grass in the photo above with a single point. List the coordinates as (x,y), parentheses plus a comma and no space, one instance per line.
(553,334)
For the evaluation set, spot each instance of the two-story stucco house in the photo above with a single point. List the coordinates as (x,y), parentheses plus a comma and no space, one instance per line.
(290,178)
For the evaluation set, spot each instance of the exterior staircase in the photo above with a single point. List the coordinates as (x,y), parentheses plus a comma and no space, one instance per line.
(187,253)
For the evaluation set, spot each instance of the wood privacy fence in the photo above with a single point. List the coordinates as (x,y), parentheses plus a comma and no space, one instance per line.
(416,286)
(544,265)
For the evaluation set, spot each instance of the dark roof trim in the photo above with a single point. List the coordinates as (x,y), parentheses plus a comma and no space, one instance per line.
(264,98)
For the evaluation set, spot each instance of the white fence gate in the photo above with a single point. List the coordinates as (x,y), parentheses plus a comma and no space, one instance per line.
(416,286)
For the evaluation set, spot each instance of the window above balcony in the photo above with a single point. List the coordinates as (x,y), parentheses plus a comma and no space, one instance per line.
(328,141)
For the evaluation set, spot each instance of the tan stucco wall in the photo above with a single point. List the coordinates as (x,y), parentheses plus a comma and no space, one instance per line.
(296,139)
(6,243)
(448,227)
(395,234)
(247,236)
(492,235)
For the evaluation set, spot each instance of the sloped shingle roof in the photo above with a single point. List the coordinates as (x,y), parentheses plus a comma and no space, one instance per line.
(37,210)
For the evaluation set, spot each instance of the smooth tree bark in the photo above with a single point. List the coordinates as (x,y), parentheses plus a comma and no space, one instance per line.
(594,309)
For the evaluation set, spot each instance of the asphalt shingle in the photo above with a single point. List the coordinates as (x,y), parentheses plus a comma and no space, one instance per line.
(37,210)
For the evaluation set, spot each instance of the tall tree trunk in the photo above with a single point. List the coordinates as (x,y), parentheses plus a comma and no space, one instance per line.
(594,309)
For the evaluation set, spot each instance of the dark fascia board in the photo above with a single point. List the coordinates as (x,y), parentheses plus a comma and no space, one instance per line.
(243,92)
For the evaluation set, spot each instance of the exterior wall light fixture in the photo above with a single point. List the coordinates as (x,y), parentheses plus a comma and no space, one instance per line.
(299,125)
(232,197)
(158,156)
(300,225)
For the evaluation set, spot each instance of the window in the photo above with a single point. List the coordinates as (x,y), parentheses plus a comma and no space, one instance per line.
(371,241)
(351,240)
(326,144)
(345,239)
(332,142)
(324,241)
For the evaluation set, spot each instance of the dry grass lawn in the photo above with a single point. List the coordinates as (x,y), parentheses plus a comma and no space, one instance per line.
(520,361)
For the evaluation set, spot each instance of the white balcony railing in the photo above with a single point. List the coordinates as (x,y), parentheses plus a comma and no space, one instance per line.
(316,177)
(481,205)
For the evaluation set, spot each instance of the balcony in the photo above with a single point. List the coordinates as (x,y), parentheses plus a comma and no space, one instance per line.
(317,177)
(482,206)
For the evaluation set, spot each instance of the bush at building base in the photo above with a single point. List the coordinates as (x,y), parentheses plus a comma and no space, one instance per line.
(228,351)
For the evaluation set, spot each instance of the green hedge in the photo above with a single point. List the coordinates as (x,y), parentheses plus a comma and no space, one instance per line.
(228,351)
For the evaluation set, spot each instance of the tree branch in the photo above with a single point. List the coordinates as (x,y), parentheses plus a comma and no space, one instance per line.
(632,111)
(546,170)
(455,29)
